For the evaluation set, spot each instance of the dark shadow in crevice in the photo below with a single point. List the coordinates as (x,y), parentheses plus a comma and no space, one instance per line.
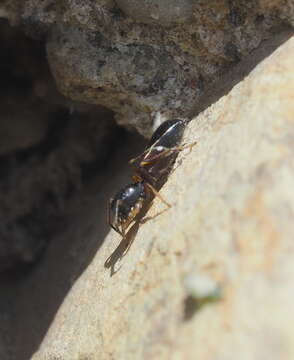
(59,188)
(226,81)
(37,296)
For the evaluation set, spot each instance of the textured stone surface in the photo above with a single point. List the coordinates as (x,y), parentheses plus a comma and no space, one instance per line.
(232,221)
(145,58)
(226,235)
(163,12)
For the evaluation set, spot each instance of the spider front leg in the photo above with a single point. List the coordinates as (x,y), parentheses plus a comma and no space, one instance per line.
(163,152)
(132,161)
(154,192)
(157,194)
(112,217)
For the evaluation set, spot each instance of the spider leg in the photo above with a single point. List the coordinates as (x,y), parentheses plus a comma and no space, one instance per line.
(169,151)
(115,221)
(148,218)
(157,194)
(138,157)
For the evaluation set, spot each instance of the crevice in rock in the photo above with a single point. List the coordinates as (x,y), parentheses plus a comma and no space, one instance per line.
(59,163)
(45,149)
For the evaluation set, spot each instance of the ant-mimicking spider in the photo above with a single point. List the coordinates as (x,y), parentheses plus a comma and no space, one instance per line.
(150,170)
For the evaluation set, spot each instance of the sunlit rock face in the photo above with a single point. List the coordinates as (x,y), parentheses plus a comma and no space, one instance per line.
(229,233)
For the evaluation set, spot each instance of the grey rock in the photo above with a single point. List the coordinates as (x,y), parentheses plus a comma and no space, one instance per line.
(111,70)
(190,45)
(162,12)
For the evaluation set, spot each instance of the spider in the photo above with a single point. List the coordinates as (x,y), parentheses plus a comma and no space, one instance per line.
(151,169)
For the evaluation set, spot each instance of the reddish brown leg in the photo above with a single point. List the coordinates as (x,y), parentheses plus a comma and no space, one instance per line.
(147,218)
(156,193)
(151,189)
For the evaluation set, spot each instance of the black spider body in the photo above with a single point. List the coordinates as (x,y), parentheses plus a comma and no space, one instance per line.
(169,134)
(157,160)
(151,169)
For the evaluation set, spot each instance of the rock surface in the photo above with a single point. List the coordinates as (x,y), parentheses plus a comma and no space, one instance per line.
(146,58)
(162,12)
(232,222)
(228,234)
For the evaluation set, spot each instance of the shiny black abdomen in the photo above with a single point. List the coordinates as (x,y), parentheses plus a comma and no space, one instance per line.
(169,134)
(157,163)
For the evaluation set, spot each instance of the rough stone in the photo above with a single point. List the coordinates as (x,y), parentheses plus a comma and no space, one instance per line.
(111,53)
(110,70)
(163,12)
(231,221)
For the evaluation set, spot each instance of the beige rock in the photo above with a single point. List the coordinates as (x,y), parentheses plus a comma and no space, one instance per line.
(232,221)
